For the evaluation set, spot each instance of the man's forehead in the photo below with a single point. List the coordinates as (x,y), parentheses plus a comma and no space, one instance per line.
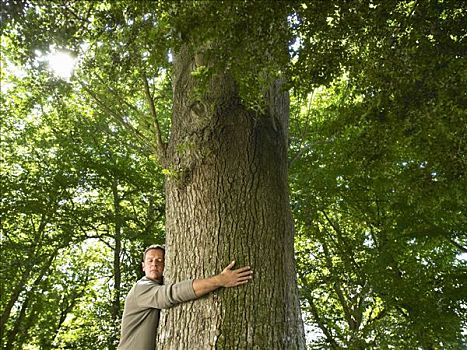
(156,252)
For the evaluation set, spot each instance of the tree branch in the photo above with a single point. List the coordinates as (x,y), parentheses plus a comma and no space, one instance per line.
(321,324)
(119,118)
(161,146)
(458,245)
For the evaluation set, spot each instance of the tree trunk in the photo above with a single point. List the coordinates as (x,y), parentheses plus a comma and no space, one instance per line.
(31,255)
(227,199)
(18,335)
(115,308)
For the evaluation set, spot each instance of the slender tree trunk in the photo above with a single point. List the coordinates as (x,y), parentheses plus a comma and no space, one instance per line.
(18,333)
(12,299)
(11,340)
(25,275)
(116,314)
(228,199)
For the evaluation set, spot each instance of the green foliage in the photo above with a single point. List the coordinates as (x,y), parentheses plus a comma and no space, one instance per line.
(377,148)
(378,246)
(61,160)
(380,156)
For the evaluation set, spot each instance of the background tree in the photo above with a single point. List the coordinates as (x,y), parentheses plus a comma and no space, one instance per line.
(362,266)
(377,160)
(60,165)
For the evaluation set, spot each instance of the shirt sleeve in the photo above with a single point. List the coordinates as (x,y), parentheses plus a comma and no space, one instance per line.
(149,294)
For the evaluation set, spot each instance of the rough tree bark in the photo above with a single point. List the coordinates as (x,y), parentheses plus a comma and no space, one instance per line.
(227,198)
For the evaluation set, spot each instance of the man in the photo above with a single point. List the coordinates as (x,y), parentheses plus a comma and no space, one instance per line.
(149,295)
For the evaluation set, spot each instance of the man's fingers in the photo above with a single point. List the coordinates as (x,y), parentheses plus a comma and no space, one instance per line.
(245,277)
(239,276)
(244,280)
(244,273)
(238,283)
(241,282)
(229,266)
(242,269)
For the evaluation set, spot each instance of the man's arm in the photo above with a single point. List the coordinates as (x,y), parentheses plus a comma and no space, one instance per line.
(227,278)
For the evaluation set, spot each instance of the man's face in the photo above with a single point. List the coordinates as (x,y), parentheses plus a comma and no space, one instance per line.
(153,264)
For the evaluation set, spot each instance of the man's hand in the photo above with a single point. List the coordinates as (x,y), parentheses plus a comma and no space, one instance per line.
(233,278)
(227,278)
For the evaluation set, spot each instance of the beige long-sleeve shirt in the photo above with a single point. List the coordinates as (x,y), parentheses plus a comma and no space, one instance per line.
(142,311)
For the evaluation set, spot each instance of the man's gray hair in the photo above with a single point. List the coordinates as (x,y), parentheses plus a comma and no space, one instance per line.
(153,246)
